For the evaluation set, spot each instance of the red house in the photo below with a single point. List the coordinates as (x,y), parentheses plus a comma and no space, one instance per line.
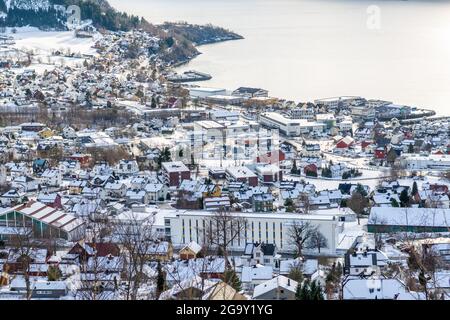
(175,172)
(83,159)
(345,143)
(85,250)
(50,199)
(242,174)
(380,153)
(365,144)
(271,157)
(439,188)
(310,168)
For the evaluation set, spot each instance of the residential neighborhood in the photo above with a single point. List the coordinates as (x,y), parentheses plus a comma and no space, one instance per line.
(118,183)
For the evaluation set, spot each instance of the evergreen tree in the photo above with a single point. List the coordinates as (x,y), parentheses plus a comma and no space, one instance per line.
(404,198)
(394,203)
(54,273)
(315,291)
(309,291)
(289,205)
(164,156)
(160,280)
(302,292)
(153,104)
(294,169)
(414,189)
(361,190)
(296,274)
(232,279)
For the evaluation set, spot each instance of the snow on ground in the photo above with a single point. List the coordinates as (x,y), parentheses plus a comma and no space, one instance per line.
(369,178)
(47,41)
(393,253)
(43,43)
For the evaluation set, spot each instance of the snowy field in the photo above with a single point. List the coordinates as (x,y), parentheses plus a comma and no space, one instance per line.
(47,41)
(42,44)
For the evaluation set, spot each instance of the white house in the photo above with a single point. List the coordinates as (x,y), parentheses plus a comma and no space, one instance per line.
(156,191)
(127,167)
(278,288)
(255,275)
(116,189)
(357,288)
(365,263)
(25,183)
(51,178)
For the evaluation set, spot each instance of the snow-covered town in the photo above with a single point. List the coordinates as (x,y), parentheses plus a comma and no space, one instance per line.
(117,183)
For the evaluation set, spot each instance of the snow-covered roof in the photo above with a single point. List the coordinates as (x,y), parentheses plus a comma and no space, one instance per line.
(48,215)
(429,217)
(258,272)
(376,288)
(281,282)
(194,246)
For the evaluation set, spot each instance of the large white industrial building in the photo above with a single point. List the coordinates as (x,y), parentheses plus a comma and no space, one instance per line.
(187,226)
(434,161)
(290,127)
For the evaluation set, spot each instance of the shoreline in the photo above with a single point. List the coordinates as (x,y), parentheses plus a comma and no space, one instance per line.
(184,62)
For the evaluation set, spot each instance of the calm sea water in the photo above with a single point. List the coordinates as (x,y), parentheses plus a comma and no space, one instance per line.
(308,49)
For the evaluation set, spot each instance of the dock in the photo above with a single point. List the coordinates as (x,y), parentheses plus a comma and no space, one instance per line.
(189,76)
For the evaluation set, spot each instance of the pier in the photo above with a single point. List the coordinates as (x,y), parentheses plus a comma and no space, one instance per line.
(189,76)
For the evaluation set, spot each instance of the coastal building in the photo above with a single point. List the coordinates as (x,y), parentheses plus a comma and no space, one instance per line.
(250,92)
(305,111)
(365,112)
(203,92)
(290,127)
(335,102)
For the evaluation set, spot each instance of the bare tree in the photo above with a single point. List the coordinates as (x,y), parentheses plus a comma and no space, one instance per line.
(358,203)
(24,245)
(222,228)
(317,241)
(299,233)
(189,279)
(137,238)
(99,275)
(304,203)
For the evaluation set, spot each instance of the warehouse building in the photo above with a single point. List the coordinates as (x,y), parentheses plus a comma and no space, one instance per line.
(45,221)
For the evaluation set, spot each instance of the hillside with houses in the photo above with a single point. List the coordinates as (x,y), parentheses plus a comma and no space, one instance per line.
(117,183)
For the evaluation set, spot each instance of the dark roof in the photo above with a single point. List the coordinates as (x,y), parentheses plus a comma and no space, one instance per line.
(105,249)
(345,187)
(247,90)
(268,249)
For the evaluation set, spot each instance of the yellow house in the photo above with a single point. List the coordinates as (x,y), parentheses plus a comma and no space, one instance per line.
(222,291)
(46,133)
(160,251)
(216,192)
(190,251)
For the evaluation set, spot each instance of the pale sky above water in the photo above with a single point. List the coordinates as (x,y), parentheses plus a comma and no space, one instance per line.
(308,49)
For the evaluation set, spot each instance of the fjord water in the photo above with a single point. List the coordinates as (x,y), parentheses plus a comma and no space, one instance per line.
(308,49)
